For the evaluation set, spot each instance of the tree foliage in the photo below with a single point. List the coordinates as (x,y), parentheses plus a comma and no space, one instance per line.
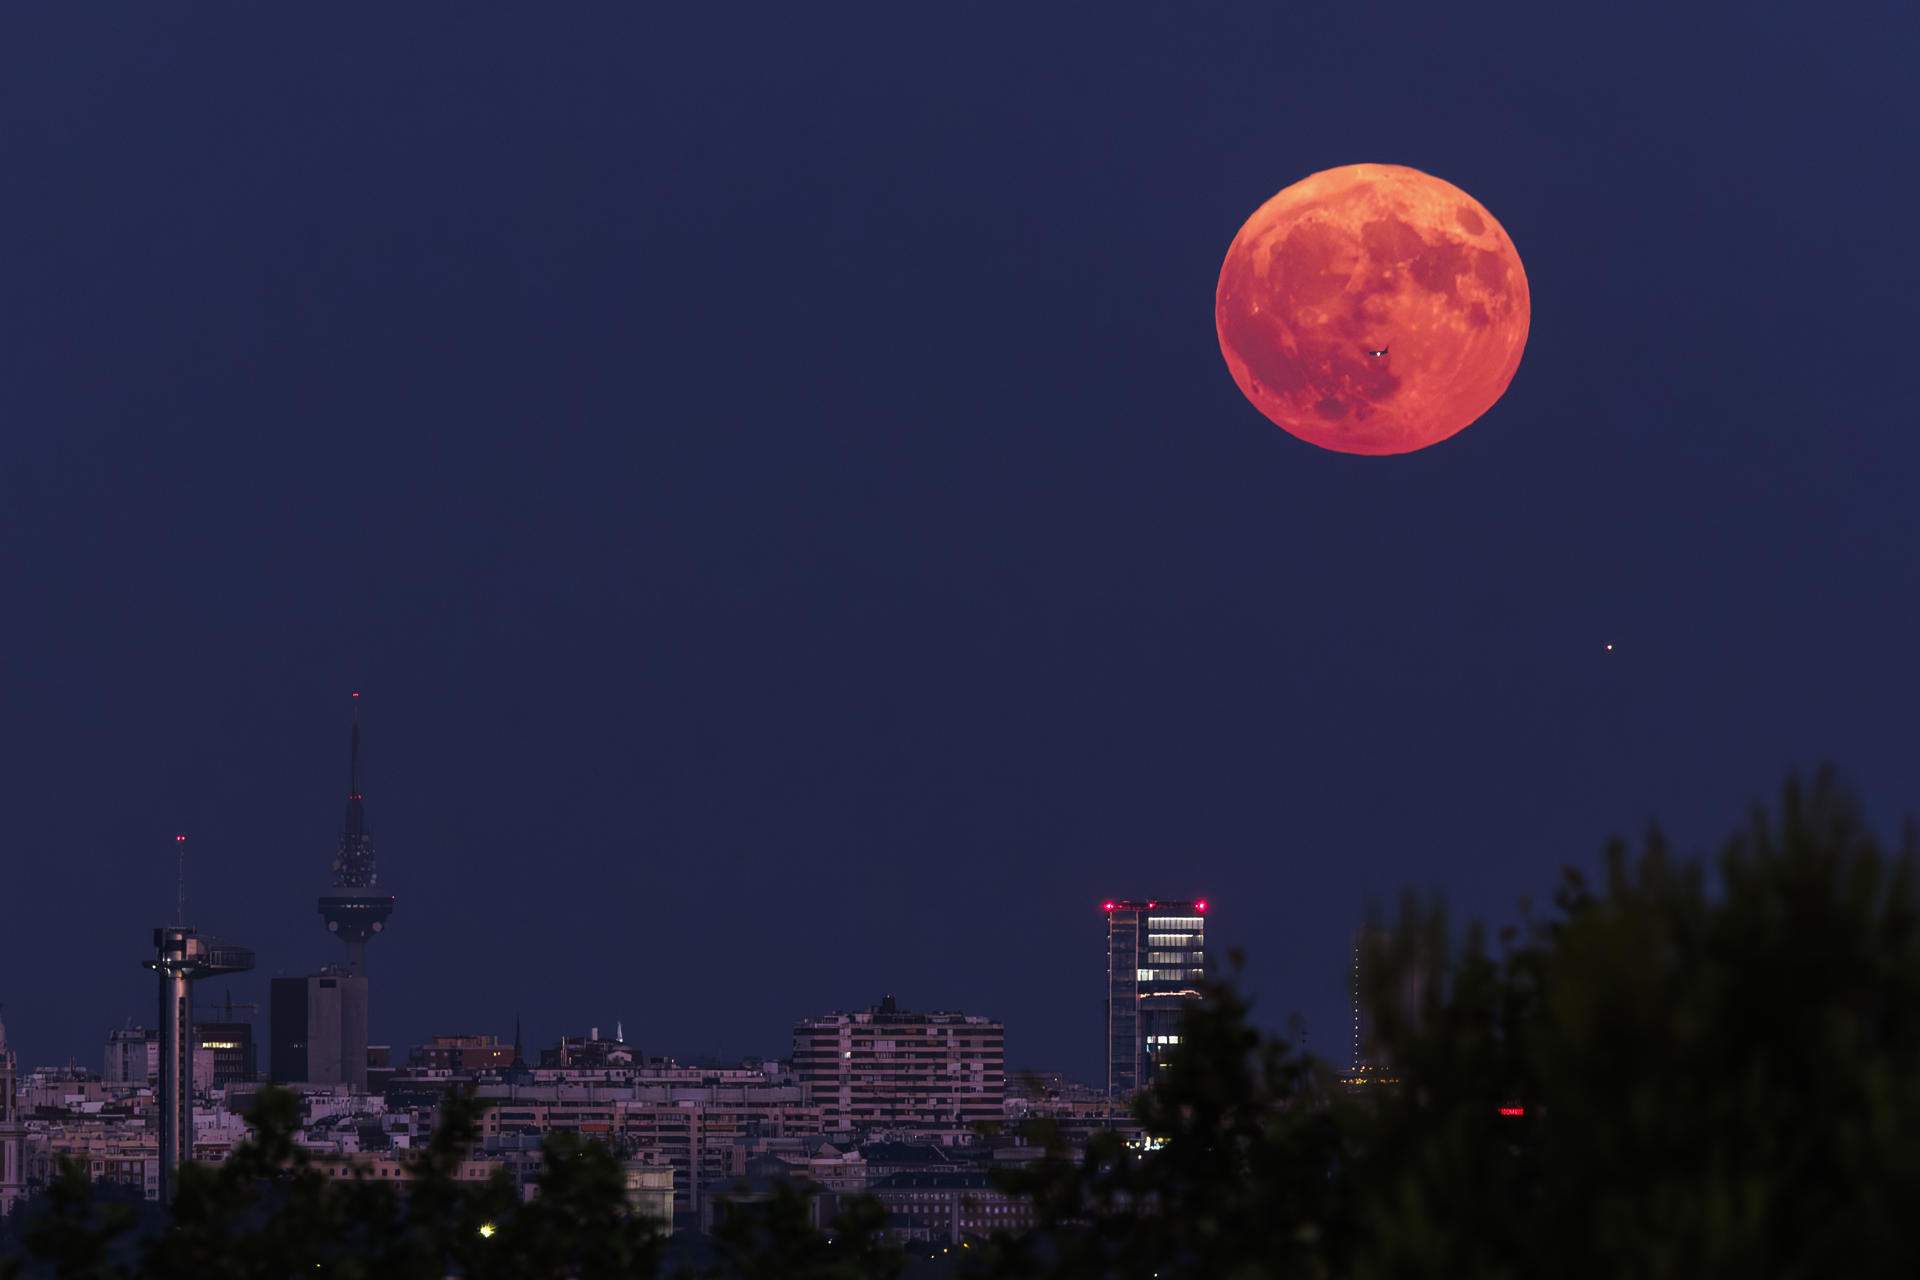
(1232,1178)
(73,1235)
(268,1211)
(775,1239)
(1685,1068)
(1721,1072)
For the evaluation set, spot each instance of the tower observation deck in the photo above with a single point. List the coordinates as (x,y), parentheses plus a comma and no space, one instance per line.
(355,911)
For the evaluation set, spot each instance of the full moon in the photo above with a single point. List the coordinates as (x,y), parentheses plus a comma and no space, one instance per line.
(1372,309)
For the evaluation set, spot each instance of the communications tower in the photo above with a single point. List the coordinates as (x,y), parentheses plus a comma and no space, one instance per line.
(354,912)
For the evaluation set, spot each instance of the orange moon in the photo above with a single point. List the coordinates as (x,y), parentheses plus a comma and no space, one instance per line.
(1372,309)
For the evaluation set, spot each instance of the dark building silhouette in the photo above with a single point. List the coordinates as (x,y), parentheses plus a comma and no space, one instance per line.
(319,1031)
(235,1057)
(1156,960)
(1390,977)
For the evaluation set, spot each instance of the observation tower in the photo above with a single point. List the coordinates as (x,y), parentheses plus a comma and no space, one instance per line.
(182,957)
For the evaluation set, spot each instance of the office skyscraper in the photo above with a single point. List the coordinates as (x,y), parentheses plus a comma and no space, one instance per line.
(319,1028)
(1156,959)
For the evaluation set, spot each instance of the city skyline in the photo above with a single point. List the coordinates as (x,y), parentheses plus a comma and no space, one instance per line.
(290,998)
(785,504)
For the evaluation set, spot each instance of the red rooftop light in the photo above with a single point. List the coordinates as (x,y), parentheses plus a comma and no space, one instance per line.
(1200,905)
(1106,906)
(178,839)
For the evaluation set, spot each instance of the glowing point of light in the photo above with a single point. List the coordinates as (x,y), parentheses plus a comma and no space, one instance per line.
(354,694)
(179,839)
(1200,905)
(1609,648)
(1106,906)
(1513,1111)
(486,1228)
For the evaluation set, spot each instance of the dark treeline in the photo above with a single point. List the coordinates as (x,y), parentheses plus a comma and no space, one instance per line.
(1685,1068)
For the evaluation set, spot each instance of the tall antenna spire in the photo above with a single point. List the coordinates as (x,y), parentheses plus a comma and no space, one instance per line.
(180,881)
(354,867)
(356,808)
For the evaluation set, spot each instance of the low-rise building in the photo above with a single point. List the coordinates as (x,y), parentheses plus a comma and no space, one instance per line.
(949,1207)
(461,1053)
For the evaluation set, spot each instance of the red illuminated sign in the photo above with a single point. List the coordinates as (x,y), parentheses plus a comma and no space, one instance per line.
(1513,1111)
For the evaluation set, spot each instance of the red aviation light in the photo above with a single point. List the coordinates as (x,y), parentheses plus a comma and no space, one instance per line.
(1107,906)
(181,839)
(1200,905)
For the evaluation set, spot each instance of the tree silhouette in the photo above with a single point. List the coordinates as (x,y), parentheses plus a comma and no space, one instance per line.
(1710,1070)
(74,1236)
(1720,1074)
(775,1239)
(1232,1178)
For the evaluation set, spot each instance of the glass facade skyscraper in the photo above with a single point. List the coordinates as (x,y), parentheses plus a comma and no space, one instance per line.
(1156,960)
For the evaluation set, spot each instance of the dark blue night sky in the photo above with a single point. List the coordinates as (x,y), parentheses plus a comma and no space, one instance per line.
(771,471)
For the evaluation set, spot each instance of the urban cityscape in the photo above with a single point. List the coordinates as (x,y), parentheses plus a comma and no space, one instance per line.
(1226,641)
(915,1108)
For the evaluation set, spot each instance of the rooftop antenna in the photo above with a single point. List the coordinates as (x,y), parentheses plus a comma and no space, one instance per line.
(180,881)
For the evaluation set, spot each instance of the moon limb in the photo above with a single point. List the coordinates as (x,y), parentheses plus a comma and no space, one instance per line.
(1372,309)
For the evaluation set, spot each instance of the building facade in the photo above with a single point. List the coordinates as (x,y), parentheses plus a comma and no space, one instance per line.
(461,1053)
(133,1056)
(13,1154)
(1156,963)
(885,1069)
(948,1207)
(318,1029)
(231,1052)
(701,1132)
